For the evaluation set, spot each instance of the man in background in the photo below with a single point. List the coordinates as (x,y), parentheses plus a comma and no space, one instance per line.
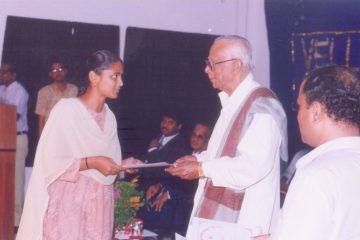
(323,200)
(239,192)
(50,94)
(199,137)
(182,196)
(168,146)
(13,93)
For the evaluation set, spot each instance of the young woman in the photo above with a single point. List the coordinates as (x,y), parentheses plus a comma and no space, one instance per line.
(70,194)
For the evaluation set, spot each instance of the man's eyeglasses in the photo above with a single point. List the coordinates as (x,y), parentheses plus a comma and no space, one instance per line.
(198,136)
(55,70)
(211,64)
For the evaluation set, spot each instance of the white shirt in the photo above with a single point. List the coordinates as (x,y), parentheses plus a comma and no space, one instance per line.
(256,167)
(15,94)
(323,201)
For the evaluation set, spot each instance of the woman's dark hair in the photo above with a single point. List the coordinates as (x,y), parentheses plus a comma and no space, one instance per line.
(101,60)
(337,88)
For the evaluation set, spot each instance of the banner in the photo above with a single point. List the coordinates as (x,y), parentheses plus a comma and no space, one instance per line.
(315,49)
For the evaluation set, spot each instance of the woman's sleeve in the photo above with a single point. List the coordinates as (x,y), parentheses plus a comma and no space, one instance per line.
(72,173)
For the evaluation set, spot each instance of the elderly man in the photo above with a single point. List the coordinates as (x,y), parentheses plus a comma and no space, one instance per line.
(240,170)
(183,192)
(13,93)
(199,137)
(323,200)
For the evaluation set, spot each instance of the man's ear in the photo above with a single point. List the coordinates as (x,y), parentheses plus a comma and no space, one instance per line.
(317,111)
(239,65)
(180,126)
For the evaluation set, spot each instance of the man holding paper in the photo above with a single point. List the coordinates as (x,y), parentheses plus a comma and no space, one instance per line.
(239,172)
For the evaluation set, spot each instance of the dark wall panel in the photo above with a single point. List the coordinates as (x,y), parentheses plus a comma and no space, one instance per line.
(163,69)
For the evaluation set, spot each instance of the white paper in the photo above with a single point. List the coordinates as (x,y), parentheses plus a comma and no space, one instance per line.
(147,165)
(204,229)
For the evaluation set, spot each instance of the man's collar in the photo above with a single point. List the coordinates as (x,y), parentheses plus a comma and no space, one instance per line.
(6,86)
(333,145)
(243,86)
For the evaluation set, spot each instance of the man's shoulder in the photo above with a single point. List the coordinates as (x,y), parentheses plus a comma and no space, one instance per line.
(179,143)
(178,139)
(71,86)
(267,105)
(45,88)
(20,87)
(340,163)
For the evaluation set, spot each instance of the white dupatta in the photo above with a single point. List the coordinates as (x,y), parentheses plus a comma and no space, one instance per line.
(70,133)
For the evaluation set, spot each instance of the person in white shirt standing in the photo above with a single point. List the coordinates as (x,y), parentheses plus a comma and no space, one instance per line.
(323,200)
(240,170)
(13,93)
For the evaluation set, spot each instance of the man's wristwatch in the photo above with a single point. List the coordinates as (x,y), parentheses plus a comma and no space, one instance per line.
(200,170)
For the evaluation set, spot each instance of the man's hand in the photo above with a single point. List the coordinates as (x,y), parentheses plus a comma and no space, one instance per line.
(160,201)
(130,160)
(154,143)
(152,190)
(186,167)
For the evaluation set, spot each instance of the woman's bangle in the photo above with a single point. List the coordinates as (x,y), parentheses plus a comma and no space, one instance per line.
(200,170)
(86,163)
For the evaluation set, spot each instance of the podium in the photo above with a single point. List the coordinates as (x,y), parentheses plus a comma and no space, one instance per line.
(7,169)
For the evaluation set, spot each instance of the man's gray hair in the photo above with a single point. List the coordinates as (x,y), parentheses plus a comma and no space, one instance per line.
(243,46)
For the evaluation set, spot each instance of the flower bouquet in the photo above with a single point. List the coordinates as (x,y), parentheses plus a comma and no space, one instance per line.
(128,200)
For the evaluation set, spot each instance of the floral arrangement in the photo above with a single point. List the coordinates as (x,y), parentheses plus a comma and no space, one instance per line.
(128,199)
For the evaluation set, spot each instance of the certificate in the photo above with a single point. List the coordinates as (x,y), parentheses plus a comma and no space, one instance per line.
(205,229)
(147,165)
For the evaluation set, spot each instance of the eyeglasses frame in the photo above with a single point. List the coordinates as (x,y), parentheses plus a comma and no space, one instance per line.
(211,65)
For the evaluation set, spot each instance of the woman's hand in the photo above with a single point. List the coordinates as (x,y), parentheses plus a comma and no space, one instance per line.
(104,165)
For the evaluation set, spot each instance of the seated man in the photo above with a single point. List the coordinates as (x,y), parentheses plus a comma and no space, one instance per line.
(172,200)
(199,137)
(184,195)
(167,147)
